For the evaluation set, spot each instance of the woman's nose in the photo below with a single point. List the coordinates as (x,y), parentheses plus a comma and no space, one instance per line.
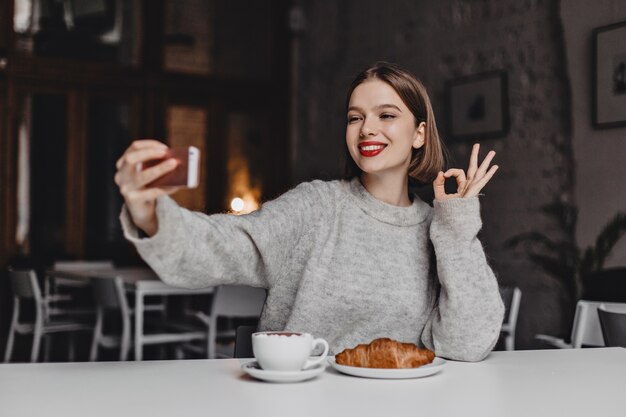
(368,129)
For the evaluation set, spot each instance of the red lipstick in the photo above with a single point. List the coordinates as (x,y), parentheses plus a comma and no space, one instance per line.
(371,148)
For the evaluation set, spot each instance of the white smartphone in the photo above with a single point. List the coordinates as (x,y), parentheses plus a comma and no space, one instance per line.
(186,174)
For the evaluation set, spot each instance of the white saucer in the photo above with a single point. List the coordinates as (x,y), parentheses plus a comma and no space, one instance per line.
(379,373)
(253,369)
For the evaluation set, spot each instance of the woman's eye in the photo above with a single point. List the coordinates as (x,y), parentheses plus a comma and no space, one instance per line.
(352,119)
(387,116)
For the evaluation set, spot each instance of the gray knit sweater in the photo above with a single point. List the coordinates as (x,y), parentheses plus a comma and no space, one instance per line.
(342,265)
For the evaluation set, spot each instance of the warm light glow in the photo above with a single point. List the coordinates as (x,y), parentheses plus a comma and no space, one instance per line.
(244,191)
(244,205)
(237,204)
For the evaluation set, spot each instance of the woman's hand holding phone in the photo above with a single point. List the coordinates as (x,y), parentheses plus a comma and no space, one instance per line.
(132,182)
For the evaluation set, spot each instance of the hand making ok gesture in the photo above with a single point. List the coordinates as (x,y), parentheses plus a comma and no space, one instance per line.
(477,177)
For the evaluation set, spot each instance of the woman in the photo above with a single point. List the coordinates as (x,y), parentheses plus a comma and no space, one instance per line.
(350,260)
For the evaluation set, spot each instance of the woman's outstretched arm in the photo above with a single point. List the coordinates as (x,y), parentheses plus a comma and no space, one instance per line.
(192,249)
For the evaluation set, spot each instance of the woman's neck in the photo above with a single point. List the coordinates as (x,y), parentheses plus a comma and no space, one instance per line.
(389,189)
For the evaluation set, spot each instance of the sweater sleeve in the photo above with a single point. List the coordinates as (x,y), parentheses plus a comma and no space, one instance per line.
(467,316)
(195,250)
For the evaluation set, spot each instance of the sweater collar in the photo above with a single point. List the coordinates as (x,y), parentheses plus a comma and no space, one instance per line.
(388,213)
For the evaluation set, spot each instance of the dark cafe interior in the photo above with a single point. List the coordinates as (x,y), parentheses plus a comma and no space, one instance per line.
(253,93)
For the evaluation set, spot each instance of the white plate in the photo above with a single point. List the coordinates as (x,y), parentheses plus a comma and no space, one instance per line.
(253,369)
(432,368)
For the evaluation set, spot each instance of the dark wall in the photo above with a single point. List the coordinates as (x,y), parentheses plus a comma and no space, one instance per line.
(439,41)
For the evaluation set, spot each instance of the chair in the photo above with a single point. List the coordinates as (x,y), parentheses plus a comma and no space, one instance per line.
(511,296)
(586,330)
(228,301)
(234,302)
(243,342)
(613,324)
(109,294)
(82,265)
(26,287)
(110,297)
(51,290)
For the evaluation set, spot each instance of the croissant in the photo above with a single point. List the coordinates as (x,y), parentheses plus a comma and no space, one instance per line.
(385,353)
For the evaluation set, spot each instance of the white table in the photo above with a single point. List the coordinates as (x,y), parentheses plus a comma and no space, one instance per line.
(571,383)
(142,282)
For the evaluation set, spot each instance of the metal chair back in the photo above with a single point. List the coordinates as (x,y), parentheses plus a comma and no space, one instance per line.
(243,342)
(511,297)
(238,301)
(613,325)
(109,293)
(25,285)
(586,330)
(233,301)
(83,265)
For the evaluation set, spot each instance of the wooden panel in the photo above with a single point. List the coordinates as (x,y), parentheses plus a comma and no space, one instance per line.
(39,71)
(187,126)
(189,36)
(279,174)
(76,174)
(153,90)
(4,162)
(152,44)
(246,160)
(216,158)
(6,24)
(8,118)
(110,128)
(135,117)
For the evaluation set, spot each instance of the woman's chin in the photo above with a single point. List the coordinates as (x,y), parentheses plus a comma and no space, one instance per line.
(367,170)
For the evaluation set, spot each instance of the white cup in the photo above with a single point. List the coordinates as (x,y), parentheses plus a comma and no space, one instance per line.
(286,351)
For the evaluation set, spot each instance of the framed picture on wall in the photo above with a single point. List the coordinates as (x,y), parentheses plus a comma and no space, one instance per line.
(609,76)
(478,106)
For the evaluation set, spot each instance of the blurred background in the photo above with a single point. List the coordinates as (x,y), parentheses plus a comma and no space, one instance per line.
(259,87)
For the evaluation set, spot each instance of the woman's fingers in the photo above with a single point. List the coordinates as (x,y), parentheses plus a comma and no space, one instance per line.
(485,165)
(131,181)
(476,186)
(473,165)
(148,194)
(439,186)
(459,175)
(128,177)
(132,157)
(484,180)
(150,174)
(146,143)
(477,176)
(139,145)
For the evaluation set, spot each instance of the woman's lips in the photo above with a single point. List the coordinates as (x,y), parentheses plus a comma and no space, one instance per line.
(369,149)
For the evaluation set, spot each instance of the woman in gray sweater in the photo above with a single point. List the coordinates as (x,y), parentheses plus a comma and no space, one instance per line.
(347,260)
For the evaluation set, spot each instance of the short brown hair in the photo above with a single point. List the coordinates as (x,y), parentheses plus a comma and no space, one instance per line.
(427,161)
